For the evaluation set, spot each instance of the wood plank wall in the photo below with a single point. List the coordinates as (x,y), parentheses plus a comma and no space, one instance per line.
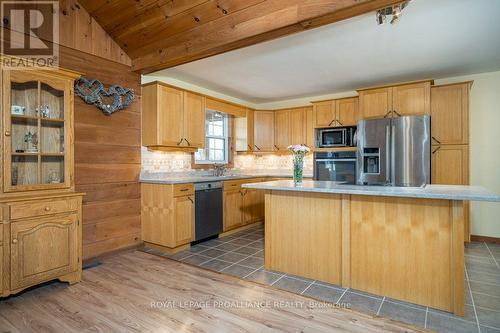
(107,159)
(78,30)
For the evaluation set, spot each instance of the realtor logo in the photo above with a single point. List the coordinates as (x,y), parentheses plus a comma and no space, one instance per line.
(30,34)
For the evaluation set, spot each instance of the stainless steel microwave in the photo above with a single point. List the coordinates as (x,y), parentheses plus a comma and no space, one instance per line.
(336,137)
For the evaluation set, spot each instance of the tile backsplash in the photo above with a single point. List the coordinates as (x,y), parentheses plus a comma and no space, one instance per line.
(179,161)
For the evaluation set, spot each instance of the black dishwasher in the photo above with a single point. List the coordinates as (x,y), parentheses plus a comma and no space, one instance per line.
(208,220)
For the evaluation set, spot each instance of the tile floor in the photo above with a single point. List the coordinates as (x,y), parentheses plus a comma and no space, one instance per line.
(242,255)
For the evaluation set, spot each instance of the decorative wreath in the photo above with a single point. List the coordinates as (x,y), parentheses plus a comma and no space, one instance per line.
(108,101)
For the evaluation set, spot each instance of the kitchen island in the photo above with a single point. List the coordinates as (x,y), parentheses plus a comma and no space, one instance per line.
(403,243)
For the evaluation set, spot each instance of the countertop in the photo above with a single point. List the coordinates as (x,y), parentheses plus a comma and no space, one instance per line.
(165,178)
(445,192)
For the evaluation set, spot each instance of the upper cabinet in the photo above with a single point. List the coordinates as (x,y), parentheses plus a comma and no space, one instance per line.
(263,131)
(244,132)
(172,117)
(281,129)
(400,100)
(38,130)
(336,113)
(450,113)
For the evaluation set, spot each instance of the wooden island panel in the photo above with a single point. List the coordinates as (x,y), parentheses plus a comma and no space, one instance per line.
(304,235)
(403,248)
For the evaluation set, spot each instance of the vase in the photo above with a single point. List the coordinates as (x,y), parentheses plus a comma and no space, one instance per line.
(298,169)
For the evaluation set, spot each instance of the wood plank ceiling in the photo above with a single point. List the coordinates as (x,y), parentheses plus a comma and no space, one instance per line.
(159,34)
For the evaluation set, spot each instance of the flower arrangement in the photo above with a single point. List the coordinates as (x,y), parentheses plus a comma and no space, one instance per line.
(298,152)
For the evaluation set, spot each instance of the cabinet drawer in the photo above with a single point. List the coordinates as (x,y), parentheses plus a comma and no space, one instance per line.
(183,189)
(230,185)
(39,208)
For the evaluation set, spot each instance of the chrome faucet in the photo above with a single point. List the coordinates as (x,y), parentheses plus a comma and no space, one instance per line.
(219,170)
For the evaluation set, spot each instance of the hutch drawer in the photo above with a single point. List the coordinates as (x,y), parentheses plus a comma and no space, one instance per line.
(39,208)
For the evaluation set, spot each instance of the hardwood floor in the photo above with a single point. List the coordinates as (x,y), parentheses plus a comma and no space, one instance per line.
(140,292)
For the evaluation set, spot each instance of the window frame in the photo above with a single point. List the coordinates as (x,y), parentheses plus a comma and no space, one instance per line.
(225,137)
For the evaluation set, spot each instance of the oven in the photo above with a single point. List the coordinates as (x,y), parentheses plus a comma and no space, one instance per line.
(336,137)
(335,166)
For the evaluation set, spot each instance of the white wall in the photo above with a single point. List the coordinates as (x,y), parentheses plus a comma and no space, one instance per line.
(484,137)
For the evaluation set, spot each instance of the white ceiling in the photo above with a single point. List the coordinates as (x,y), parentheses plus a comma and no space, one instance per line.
(434,39)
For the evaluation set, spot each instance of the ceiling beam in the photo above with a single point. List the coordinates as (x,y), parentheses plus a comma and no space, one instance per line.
(262,22)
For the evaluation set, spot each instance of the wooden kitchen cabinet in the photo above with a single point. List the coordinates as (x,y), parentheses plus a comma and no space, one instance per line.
(282,136)
(324,113)
(309,127)
(346,111)
(43,249)
(253,206)
(375,103)
(2,270)
(450,113)
(264,131)
(450,164)
(244,132)
(194,120)
(399,100)
(167,214)
(298,123)
(184,218)
(233,213)
(172,117)
(336,113)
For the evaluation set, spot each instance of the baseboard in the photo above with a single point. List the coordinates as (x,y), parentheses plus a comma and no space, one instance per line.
(486,239)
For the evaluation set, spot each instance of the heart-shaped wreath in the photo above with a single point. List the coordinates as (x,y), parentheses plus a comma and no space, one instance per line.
(108,101)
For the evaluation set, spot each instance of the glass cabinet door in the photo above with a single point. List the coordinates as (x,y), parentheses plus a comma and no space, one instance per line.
(36,128)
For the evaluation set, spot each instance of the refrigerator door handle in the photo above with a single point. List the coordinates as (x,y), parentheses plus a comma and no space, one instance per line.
(387,154)
(393,155)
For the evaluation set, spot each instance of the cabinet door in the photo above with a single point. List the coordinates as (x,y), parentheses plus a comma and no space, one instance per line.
(347,111)
(253,206)
(324,113)
(298,127)
(450,114)
(233,209)
(43,249)
(450,165)
(309,127)
(170,116)
(184,218)
(243,132)
(264,130)
(375,103)
(412,99)
(282,129)
(194,120)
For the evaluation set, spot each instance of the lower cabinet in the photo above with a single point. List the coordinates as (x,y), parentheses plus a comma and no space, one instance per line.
(43,249)
(233,202)
(167,214)
(40,240)
(242,206)
(184,217)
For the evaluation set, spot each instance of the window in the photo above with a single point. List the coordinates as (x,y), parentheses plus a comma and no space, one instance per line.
(216,139)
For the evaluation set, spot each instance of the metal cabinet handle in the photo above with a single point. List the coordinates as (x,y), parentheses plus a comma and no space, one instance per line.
(434,138)
(388,112)
(277,148)
(250,147)
(47,209)
(189,144)
(331,122)
(397,113)
(184,189)
(435,150)
(14,241)
(7,133)
(339,122)
(179,143)
(257,147)
(190,199)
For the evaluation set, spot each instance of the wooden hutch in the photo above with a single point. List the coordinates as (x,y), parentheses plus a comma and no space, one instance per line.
(40,212)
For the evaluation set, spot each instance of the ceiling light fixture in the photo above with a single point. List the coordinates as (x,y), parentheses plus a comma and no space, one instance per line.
(393,11)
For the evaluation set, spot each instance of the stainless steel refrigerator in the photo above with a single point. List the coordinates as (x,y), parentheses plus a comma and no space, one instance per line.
(394,151)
